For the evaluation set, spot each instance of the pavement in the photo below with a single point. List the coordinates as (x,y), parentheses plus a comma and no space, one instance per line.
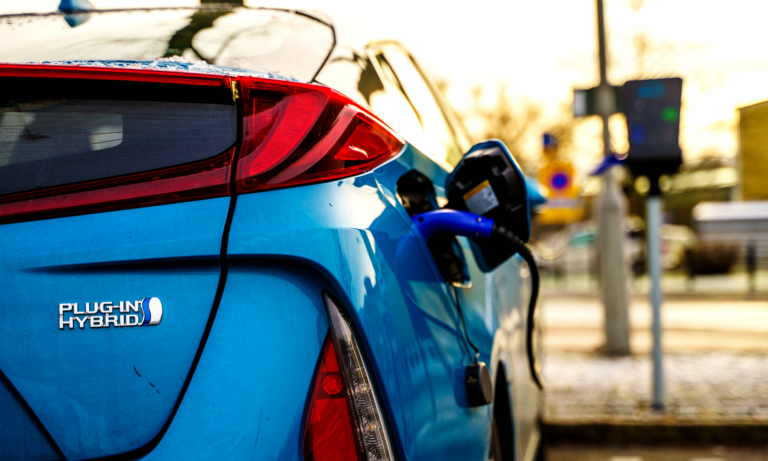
(573,322)
(674,283)
(683,453)
(716,373)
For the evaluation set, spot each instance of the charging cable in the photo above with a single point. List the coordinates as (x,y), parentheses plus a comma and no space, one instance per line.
(471,225)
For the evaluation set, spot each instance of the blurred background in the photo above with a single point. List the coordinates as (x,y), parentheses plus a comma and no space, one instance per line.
(509,68)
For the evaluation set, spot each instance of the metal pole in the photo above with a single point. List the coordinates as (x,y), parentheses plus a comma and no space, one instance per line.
(654,266)
(610,210)
(601,43)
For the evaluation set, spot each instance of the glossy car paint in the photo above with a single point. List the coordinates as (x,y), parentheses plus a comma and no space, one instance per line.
(104,391)
(247,397)
(353,232)
(248,394)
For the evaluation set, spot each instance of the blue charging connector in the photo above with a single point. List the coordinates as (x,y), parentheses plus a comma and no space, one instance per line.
(454,222)
(471,225)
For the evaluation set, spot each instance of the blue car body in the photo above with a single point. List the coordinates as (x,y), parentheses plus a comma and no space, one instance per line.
(228,372)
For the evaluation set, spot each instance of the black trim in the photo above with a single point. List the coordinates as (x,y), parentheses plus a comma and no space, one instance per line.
(333,45)
(502,413)
(129,267)
(44,87)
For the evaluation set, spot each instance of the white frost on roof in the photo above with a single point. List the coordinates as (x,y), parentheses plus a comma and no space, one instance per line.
(172,64)
(730,211)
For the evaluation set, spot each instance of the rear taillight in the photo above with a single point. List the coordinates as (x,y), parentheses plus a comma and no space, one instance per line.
(293,134)
(345,420)
(328,434)
(196,180)
(299,134)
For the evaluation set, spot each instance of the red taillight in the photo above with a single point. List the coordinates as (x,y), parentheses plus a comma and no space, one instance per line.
(293,134)
(345,419)
(328,433)
(196,180)
(299,134)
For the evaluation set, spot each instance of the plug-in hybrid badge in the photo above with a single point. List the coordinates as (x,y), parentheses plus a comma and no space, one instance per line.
(148,311)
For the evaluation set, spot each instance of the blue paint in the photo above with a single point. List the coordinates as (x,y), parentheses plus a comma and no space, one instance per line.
(248,394)
(24,439)
(84,384)
(454,222)
(247,398)
(379,266)
(535,197)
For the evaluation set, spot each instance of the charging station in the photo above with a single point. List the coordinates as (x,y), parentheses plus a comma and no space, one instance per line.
(652,110)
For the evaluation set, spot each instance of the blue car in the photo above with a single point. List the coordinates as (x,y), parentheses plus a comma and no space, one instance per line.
(224,235)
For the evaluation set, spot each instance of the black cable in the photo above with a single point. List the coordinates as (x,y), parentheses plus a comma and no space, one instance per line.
(466,330)
(528,257)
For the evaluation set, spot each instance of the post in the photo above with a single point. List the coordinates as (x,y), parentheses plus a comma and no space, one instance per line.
(610,210)
(654,268)
(601,43)
(751,266)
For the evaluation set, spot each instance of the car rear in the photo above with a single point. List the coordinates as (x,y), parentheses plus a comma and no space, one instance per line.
(131,328)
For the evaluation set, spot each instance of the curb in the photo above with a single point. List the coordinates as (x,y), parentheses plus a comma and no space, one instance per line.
(668,295)
(656,434)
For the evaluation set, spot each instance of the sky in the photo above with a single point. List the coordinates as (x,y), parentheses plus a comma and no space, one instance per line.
(541,50)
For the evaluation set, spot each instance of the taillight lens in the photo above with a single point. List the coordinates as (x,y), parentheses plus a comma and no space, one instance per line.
(184,177)
(298,134)
(344,421)
(293,134)
(328,433)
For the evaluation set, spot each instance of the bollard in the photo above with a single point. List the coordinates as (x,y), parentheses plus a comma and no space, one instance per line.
(751,266)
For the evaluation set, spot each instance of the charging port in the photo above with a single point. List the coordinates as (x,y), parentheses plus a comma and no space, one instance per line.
(417,195)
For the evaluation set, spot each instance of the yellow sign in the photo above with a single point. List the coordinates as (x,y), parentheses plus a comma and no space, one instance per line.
(563,203)
(753,156)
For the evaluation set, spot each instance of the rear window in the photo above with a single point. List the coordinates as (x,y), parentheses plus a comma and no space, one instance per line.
(287,43)
(70,132)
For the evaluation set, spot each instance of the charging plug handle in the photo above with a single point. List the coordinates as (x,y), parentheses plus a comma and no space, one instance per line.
(454,222)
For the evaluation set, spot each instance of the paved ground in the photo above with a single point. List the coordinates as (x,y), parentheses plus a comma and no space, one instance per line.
(715,339)
(735,284)
(716,368)
(712,387)
(716,453)
(701,323)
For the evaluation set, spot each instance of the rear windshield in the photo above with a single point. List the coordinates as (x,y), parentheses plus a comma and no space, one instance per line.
(71,132)
(286,43)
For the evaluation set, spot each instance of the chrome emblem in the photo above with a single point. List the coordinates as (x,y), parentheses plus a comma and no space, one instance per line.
(148,311)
